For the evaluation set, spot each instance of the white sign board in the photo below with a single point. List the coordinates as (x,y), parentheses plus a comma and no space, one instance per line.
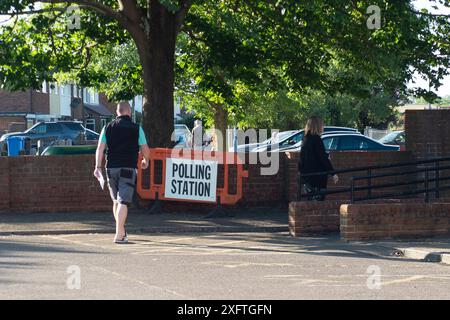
(191,179)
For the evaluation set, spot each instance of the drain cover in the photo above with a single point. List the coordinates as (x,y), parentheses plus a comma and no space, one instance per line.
(397,253)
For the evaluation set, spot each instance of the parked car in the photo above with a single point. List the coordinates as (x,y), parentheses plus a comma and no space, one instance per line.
(348,141)
(69,150)
(182,136)
(48,132)
(294,139)
(395,138)
(354,142)
(340,141)
(249,147)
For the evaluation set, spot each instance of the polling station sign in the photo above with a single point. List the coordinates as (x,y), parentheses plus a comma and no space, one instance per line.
(191,179)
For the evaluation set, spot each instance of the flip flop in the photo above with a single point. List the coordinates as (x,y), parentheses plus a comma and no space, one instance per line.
(122,241)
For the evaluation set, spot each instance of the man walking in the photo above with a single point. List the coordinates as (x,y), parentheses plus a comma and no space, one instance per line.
(122,140)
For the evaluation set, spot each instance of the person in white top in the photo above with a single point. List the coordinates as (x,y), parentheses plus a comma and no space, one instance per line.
(197,135)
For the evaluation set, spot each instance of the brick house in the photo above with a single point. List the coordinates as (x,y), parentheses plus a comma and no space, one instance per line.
(22,109)
(95,111)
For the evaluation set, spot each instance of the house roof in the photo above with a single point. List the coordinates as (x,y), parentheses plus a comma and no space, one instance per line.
(99,109)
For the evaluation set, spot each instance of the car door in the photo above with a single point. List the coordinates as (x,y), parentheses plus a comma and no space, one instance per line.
(363,143)
(350,143)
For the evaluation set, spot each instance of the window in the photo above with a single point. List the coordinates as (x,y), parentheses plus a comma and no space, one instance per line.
(86,97)
(90,96)
(293,140)
(330,143)
(401,138)
(90,124)
(77,91)
(350,143)
(41,128)
(44,87)
(53,128)
(104,122)
(367,144)
(64,90)
(53,88)
(74,126)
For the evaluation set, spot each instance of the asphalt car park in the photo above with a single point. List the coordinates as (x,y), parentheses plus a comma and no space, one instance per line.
(210,266)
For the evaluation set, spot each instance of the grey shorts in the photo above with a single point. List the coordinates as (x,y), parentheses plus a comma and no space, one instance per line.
(121,184)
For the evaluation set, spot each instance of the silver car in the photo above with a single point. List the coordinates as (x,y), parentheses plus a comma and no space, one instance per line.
(181,136)
(293,141)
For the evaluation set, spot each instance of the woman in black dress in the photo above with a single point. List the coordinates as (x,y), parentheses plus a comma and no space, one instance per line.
(313,158)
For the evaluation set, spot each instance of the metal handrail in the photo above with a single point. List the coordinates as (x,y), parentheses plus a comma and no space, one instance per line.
(385,166)
(392,174)
(370,186)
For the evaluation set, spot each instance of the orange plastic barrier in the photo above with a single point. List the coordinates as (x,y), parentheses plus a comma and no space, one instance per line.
(156,189)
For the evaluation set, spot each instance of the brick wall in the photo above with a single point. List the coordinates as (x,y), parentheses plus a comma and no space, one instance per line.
(6,121)
(428,136)
(394,220)
(50,184)
(313,217)
(345,160)
(4,183)
(264,190)
(20,102)
(428,133)
(323,217)
(41,102)
(65,183)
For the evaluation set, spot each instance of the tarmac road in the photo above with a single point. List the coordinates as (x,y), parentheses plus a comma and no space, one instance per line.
(211,266)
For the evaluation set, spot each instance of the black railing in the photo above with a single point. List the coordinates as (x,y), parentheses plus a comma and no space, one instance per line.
(420,167)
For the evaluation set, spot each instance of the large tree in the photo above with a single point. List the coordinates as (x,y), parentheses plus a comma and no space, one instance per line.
(153,26)
(227,44)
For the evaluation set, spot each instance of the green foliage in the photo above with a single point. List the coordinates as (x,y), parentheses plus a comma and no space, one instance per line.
(187,119)
(286,111)
(266,63)
(273,64)
(41,47)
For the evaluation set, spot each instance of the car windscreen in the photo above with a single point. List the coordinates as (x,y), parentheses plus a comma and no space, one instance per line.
(53,128)
(74,126)
(280,136)
(33,127)
(389,137)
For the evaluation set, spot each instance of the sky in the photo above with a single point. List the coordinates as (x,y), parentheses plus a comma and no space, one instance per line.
(444,90)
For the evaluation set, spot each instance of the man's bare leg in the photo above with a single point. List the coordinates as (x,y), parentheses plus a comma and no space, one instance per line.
(122,212)
(115,203)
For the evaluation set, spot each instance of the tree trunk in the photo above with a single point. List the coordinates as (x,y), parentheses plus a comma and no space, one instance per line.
(363,120)
(221,124)
(157,54)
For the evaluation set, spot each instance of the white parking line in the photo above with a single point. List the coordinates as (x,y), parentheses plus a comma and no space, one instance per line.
(174,240)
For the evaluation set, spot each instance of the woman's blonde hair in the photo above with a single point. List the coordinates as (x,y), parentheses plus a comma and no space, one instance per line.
(314,126)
